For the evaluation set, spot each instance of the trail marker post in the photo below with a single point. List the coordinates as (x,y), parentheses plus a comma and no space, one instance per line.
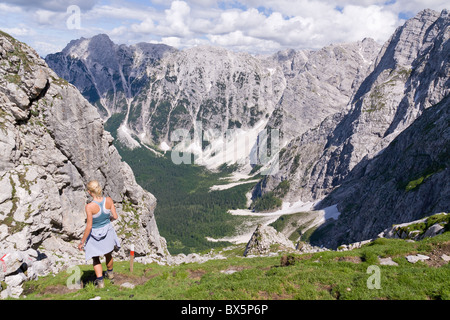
(131,257)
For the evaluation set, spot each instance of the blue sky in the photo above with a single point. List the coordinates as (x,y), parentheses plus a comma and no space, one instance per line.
(258,27)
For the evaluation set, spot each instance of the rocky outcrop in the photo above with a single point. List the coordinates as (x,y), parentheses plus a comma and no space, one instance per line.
(419,229)
(305,247)
(52,143)
(265,240)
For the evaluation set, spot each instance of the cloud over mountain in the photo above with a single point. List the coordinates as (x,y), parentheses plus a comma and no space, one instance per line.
(243,25)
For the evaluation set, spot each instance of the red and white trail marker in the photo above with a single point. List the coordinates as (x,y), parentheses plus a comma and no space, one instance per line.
(131,257)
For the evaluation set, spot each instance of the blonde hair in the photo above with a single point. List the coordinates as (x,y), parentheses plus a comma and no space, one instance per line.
(94,187)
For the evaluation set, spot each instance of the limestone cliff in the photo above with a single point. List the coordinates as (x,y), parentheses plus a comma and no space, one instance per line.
(409,75)
(52,143)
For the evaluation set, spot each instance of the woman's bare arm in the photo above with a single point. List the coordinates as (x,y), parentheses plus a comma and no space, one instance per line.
(88,229)
(114,215)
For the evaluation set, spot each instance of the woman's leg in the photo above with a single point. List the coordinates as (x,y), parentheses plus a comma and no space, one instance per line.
(109,261)
(97,267)
(109,266)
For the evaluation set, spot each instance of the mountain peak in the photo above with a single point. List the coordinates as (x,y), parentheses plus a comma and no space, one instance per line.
(101,37)
(427,13)
(84,47)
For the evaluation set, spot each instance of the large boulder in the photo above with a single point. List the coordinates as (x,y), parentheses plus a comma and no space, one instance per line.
(265,240)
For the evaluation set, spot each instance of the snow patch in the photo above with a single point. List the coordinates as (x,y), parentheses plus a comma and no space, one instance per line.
(230,185)
(319,216)
(286,208)
(330,212)
(164,146)
(271,71)
(235,148)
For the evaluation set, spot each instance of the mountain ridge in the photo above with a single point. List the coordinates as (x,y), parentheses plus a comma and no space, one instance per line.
(186,88)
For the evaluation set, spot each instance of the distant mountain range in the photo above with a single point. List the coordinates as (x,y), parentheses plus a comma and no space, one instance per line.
(361,126)
(155,89)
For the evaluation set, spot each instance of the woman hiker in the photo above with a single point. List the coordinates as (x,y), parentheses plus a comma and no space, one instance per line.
(99,237)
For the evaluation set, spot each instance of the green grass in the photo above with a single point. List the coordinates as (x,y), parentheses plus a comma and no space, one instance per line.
(433,168)
(326,275)
(415,183)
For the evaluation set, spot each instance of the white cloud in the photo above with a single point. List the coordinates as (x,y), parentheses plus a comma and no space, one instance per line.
(234,20)
(172,41)
(257,26)
(44,48)
(9,8)
(146,26)
(19,31)
(286,32)
(174,23)
(119,13)
(177,19)
(46,17)
(414,6)
(313,25)
(238,41)
(359,22)
(203,3)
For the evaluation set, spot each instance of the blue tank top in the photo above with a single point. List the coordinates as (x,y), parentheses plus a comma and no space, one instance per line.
(101,218)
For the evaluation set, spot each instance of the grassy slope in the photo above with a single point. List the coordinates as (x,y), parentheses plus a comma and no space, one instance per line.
(325,275)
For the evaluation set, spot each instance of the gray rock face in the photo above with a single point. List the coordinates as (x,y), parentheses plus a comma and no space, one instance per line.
(52,143)
(319,84)
(416,258)
(157,93)
(105,73)
(356,150)
(407,181)
(387,262)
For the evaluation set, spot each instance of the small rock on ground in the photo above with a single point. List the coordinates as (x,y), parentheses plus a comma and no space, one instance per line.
(416,258)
